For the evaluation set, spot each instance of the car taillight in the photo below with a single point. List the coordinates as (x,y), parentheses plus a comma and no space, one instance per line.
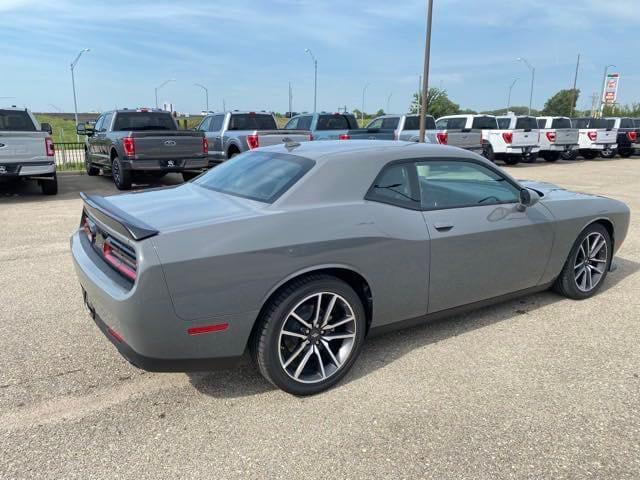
(443,138)
(551,136)
(87,229)
(632,136)
(592,136)
(48,146)
(129,145)
(253,141)
(205,145)
(508,137)
(119,259)
(344,136)
(395,135)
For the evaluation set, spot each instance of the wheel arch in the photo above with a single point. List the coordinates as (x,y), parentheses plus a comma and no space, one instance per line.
(606,223)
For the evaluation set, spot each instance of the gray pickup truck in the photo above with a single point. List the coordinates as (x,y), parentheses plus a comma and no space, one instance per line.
(324,125)
(231,133)
(26,149)
(129,142)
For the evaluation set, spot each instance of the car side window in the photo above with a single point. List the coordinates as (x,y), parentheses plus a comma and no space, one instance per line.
(204,125)
(304,123)
(216,123)
(396,185)
(377,123)
(106,122)
(292,124)
(458,183)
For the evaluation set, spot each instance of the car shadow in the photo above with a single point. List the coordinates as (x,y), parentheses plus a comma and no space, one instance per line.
(378,352)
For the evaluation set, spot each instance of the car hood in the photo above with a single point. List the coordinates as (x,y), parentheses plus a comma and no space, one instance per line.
(551,191)
(187,205)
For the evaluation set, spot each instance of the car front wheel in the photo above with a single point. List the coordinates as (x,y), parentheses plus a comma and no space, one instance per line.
(121,177)
(586,268)
(310,335)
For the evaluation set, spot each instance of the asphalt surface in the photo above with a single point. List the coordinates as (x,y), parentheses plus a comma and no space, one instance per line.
(541,387)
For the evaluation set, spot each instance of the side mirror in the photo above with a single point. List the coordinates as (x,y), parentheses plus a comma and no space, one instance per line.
(528,198)
(46,127)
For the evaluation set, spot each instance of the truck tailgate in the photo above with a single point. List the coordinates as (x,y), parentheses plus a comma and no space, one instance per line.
(277,137)
(170,145)
(522,138)
(21,147)
(468,140)
(566,136)
(607,136)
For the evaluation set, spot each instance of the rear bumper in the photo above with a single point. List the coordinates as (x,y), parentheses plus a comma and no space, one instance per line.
(522,150)
(30,169)
(559,148)
(177,165)
(141,322)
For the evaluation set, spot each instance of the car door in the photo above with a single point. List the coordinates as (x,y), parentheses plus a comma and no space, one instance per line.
(215,136)
(92,141)
(101,141)
(483,243)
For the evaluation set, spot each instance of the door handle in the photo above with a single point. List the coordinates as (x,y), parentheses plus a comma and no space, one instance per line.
(443,226)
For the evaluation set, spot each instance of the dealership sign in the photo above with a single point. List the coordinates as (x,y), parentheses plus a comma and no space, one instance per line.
(611,88)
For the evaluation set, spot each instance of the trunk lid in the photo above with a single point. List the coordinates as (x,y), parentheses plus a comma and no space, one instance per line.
(22,147)
(170,145)
(606,136)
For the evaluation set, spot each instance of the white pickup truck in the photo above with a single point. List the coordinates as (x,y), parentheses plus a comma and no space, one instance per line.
(595,137)
(557,138)
(511,145)
(26,149)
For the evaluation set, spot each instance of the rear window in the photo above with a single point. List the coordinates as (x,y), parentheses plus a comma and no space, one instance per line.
(261,176)
(561,123)
(413,123)
(542,122)
(503,123)
(451,123)
(333,122)
(637,122)
(626,123)
(135,121)
(580,122)
(527,123)
(252,121)
(484,123)
(16,121)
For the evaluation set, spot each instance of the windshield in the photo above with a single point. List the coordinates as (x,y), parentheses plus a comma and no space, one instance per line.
(16,121)
(261,176)
(335,122)
(136,121)
(252,121)
(412,122)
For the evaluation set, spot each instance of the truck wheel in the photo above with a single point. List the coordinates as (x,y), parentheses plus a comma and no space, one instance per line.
(551,156)
(609,153)
(569,155)
(88,166)
(511,159)
(625,152)
(488,153)
(588,154)
(186,176)
(530,157)
(121,177)
(50,187)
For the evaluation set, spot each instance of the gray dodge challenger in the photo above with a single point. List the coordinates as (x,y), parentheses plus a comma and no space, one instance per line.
(296,253)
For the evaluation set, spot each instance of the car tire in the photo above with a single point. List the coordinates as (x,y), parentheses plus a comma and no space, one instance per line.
(569,155)
(625,152)
(577,278)
(186,176)
(530,158)
(50,187)
(588,154)
(88,166)
(552,157)
(511,160)
(121,177)
(609,153)
(488,153)
(279,356)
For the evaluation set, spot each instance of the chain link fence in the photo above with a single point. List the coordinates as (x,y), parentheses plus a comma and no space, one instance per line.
(69,155)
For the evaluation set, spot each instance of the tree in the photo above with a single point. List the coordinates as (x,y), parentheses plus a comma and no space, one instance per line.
(380,112)
(562,103)
(632,110)
(438,103)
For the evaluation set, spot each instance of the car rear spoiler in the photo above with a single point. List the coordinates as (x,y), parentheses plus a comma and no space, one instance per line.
(114,218)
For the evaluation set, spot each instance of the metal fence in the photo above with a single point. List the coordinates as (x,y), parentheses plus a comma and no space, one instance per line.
(69,156)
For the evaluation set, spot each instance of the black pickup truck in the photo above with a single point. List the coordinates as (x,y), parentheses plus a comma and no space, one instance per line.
(129,142)
(627,138)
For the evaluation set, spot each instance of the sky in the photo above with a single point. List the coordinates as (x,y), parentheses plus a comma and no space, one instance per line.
(246,52)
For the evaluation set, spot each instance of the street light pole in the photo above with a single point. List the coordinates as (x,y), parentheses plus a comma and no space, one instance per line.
(604,88)
(162,85)
(73,85)
(574,98)
(315,79)
(425,75)
(533,75)
(388,102)
(363,92)
(509,97)
(206,92)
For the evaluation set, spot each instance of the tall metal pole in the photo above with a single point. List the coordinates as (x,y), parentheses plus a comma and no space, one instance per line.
(425,81)
(206,91)
(73,84)
(575,82)
(509,97)
(533,76)
(388,101)
(604,88)
(315,79)
(362,111)
(162,85)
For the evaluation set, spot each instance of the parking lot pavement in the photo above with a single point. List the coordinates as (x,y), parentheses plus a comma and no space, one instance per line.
(540,387)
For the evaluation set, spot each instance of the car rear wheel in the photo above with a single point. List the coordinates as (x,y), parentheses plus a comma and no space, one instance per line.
(121,177)
(488,153)
(50,187)
(186,176)
(552,156)
(310,335)
(511,160)
(88,166)
(609,153)
(588,154)
(586,268)
(569,154)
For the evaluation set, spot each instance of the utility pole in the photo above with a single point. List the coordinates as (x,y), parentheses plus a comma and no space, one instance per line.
(290,100)
(532,69)
(160,86)
(509,97)
(425,82)
(206,91)
(362,111)
(315,79)
(73,84)
(575,82)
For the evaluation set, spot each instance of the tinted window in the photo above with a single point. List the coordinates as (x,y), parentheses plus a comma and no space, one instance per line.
(16,121)
(413,123)
(305,123)
(377,123)
(252,121)
(541,122)
(637,122)
(127,121)
(527,123)
(503,123)
(292,124)
(598,123)
(561,123)
(106,122)
(261,176)
(98,124)
(448,184)
(626,123)
(610,123)
(580,122)
(216,123)
(451,123)
(485,123)
(394,186)
(332,122)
